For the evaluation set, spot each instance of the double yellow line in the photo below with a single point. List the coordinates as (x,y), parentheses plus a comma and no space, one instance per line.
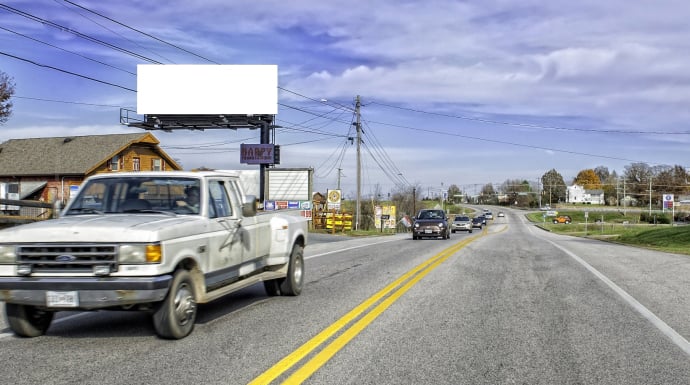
(407,280)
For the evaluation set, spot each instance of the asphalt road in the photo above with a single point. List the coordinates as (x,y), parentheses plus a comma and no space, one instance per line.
(510,305)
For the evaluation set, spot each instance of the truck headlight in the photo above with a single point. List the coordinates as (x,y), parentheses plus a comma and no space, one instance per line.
(8,254)
(140,254)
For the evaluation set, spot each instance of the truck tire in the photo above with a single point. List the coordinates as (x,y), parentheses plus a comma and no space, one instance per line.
(174,317)
(28,321)
(293,282)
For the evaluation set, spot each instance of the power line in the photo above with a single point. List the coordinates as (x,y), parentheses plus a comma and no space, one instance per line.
(108,29)
(76,33)
(324,116)
(378,147)
(69,102)
(504,142)
(141,32)
(67,72)
(68,51)
(529,125)
(390,176)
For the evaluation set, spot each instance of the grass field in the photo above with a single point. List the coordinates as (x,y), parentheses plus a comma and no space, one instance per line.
(615,227)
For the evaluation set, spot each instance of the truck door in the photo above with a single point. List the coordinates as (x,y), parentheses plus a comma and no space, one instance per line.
(226,247)
(256,229)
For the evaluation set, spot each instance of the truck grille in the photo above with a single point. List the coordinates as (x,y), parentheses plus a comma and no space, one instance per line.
(67,258)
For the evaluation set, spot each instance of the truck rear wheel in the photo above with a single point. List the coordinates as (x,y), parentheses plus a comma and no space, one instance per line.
(28,321)
(292,284)
(174,317)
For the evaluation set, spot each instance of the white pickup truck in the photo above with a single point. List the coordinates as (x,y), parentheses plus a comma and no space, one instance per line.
(132,241)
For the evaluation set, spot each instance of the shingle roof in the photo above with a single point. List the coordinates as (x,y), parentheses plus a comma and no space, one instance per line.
(74,155)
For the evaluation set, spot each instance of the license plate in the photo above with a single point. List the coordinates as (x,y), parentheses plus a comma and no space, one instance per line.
(428,231)
(62,299)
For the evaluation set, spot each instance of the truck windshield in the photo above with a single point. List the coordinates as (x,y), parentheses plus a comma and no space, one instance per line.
(137,195)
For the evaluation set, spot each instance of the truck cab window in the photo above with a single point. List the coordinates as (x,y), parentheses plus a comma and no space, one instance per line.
(219,200)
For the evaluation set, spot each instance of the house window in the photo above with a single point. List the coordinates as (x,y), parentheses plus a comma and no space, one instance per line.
(136,164)
(155,165)
(114,163)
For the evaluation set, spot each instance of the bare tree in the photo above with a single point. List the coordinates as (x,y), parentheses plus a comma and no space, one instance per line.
(488,195)
(671,180)
(453,193)
(405,198)
(603,173)
(6,92)
(519,192)
(638,177)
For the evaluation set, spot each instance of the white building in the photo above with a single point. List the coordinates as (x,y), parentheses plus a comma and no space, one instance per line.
(578,194)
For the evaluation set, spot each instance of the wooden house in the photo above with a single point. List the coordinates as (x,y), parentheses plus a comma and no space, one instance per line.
(49,169)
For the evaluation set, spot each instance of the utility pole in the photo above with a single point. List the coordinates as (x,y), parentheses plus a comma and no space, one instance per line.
(441,198)
(359,161)
(650,197)
(340,171)
(624,197)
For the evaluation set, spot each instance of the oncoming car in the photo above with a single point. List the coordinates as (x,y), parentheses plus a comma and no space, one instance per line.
(431,223)
(461,223)
(478,222)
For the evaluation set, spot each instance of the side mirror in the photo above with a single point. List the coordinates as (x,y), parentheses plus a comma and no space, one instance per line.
(249,206)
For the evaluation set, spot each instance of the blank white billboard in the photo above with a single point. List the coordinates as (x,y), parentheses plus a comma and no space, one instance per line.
(200,89)
(289,184)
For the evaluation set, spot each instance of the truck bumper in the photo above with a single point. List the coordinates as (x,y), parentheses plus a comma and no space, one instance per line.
(92,293)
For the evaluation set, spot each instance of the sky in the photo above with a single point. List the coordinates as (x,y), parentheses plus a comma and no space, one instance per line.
(452,92)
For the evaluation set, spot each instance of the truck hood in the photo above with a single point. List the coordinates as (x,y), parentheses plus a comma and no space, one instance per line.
(109,228)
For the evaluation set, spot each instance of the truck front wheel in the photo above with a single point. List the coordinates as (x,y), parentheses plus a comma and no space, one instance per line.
(174,317)
(28,321)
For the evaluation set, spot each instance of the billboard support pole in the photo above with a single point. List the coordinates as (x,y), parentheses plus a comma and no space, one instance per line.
(265,139)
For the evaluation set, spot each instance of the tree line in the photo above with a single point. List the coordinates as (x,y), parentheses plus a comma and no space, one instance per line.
(638,183)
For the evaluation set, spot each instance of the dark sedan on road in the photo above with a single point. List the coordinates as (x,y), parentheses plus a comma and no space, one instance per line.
(478,221)
(431,223)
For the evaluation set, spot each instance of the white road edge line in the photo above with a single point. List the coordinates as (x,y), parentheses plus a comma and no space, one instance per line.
(59,320)
(349,248)
(676,338)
